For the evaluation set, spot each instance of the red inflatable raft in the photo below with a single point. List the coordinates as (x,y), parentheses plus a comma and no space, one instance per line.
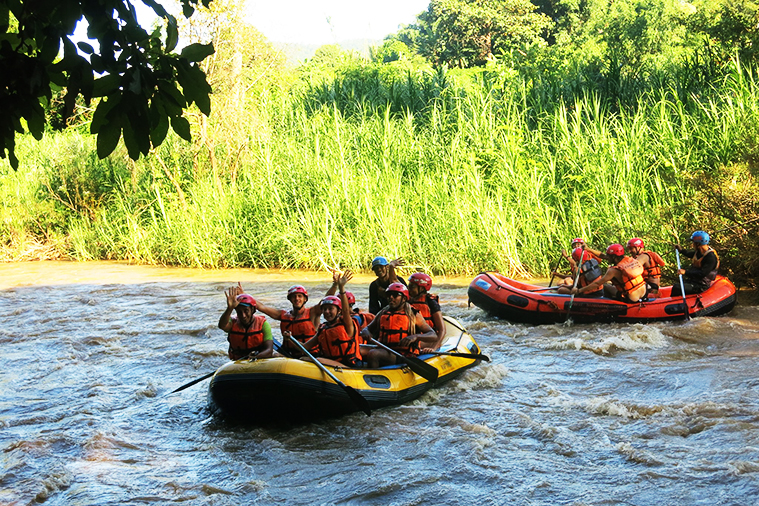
(522,303)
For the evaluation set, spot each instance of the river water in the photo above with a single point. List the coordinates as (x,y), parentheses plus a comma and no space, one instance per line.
(664,414)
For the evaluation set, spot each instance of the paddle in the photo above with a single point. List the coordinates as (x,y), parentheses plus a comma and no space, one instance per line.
(420,367)
(476,356)
(543,289)
(577,278)
(191,383)
(682,285)
(558,261)
(356,397)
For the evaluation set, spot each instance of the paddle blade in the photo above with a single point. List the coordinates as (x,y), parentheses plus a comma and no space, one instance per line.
(358,399)
(422,368)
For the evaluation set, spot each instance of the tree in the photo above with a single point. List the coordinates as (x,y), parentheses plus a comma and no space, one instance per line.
(466,33)
(134,72)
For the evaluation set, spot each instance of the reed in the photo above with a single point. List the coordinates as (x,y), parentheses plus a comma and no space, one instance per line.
(457,173)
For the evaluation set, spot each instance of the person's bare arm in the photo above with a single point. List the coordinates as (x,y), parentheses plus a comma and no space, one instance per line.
(346,312)
(225,321)
(425,335)
(610,273)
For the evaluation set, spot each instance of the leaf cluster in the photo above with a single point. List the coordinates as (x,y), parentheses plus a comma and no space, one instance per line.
(144,86)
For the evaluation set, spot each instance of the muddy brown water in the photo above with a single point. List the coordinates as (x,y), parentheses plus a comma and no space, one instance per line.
(664,413)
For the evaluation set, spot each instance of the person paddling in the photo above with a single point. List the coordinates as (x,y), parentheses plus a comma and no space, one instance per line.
(590,271)
(248,334)
(590,253)
(337,341)
(626,274)
(651,262)
(428,305)
(399,326)
(704,265)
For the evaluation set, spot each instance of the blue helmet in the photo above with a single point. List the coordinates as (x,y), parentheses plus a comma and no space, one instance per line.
(379,261)
(700,237)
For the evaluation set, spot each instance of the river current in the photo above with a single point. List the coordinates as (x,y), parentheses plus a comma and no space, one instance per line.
(657,414)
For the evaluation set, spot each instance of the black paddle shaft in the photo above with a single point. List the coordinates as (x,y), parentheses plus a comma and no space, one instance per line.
(420,367)
(358,399)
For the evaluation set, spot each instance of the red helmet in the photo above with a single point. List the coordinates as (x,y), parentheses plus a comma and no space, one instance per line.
(616,250)
(579,253)
(351,298)
(331,299)
(246,300)
(421,279)
(297,289)
(577,240)
(397,288)
(635,242)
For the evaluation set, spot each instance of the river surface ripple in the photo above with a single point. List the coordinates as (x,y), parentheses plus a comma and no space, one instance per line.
(664,414)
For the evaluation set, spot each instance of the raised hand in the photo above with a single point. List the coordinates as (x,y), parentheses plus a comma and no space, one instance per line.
(232,294)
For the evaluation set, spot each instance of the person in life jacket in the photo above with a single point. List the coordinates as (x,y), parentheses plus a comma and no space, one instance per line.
(361,318)
(428,306)
(704,265)
(651,262)
(337,340)
(386,275)
(248,334)
(626,276)
(590,270)
(590,253)
(398,326)
(300,322)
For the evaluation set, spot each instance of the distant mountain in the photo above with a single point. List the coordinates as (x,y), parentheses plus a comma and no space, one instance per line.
(296,53)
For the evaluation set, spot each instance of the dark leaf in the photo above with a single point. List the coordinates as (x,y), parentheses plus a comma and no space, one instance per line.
(35,119)
(197,52)
(182,127)
(158,134)
(86,48)
(106,85)
(109,134)
(100,116)
(172,34)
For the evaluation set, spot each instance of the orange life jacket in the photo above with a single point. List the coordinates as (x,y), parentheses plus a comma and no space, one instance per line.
(424,308)
(696,262)
(632,276)
(301,329)
(335,343)
(653,271)
(362,320)
(394,327)
(242,340)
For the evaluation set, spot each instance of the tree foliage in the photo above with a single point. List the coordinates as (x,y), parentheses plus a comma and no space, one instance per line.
(134,72)
(467,33)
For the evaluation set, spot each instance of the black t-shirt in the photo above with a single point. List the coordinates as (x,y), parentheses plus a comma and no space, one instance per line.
(376,300)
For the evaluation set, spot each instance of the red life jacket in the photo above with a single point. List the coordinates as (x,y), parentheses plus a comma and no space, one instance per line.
(301,329)
(632,276)
(394,327)
(424,308)
(335,343)
(362,320)
(242,341)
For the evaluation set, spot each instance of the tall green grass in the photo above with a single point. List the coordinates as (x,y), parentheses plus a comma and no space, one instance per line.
(455,175)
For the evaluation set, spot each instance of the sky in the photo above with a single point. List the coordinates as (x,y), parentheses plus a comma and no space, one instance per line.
(330,21)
